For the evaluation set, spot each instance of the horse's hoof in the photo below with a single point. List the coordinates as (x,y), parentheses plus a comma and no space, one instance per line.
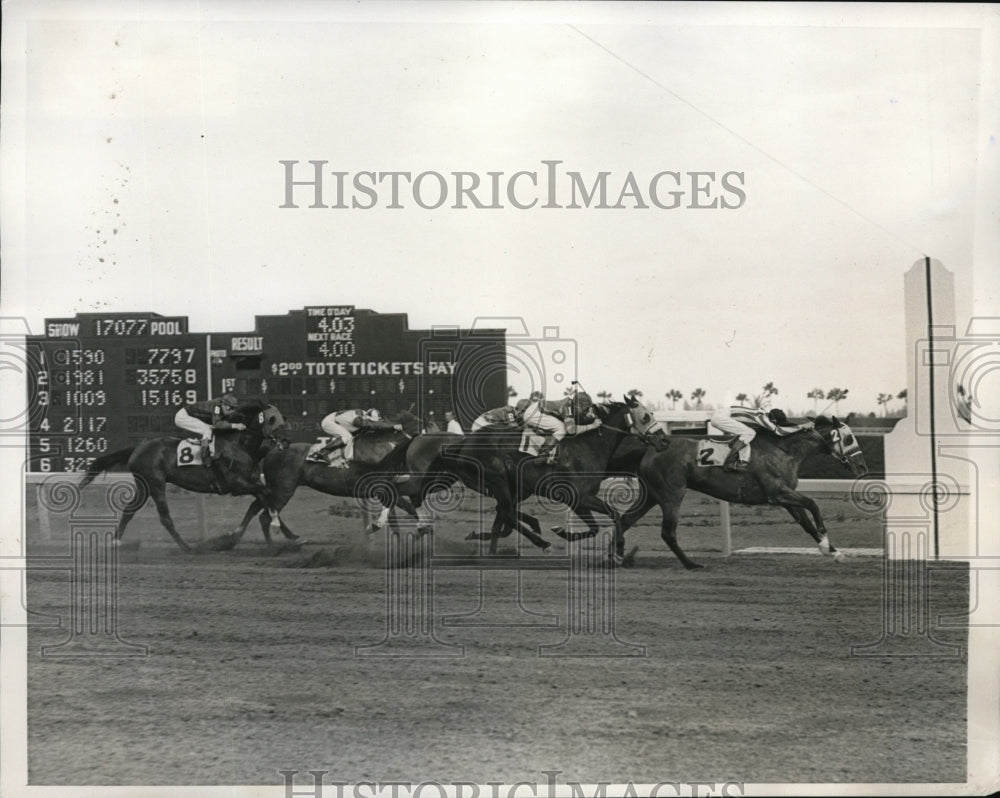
(558,530)
(839,556)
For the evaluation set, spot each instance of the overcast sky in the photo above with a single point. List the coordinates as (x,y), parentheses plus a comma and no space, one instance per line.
(153,135)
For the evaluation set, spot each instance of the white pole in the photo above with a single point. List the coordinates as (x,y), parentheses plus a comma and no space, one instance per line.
(727,530)
(44,523)
(202,525)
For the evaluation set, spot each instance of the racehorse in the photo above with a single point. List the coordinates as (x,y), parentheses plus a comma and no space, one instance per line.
(573,481)
(390,466)
(667,470)
(153,464)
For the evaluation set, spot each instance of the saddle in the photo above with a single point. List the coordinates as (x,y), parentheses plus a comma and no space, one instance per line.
(360,449)
(318,453)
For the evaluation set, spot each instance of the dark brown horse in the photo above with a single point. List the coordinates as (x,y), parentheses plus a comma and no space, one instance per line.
(666,471)
(153,464)
(390,468)
(574,481)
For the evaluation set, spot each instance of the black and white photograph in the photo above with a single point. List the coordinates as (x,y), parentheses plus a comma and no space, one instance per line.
(499,400)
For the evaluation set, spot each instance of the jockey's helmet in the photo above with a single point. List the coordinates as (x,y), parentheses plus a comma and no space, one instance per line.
(522,405)
(373,415)
(778,417)
(228,399)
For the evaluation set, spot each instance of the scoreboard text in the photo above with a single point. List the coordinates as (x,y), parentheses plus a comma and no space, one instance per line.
(105,382)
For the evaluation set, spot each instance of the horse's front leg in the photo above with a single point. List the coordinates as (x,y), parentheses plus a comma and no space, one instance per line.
(255,507)
(528,526)
(592,503)
(800,508)
(588,518)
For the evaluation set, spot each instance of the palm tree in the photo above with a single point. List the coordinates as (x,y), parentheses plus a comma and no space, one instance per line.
(884,399)
(836,395)
(634,392)
(673,395)
(902,395)
(511,392)
(770,390)
(604,396)
(741,398)
(815,394)
(698,394)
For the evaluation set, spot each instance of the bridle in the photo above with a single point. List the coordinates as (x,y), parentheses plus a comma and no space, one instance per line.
(828,446)
(271,437)
(642,435)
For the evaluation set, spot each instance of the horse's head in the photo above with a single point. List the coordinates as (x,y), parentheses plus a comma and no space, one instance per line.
(614,416)
(644,425)
(262,418)
(410,423)
(842,443)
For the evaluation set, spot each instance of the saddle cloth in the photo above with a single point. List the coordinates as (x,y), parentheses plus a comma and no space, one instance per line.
(532,442)
(713,451)
(338,458)
(189,452)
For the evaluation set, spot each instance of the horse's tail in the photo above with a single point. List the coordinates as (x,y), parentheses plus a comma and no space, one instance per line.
(102,464)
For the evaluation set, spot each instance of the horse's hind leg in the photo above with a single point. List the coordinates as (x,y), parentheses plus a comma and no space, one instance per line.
(668,531)
(159,494)
(136,503)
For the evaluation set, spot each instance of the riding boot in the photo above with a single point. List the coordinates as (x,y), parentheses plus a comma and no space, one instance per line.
(330,448)
(733,461)
(549,451)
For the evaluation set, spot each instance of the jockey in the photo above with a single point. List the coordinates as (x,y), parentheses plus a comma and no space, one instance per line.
(507,416)
(343,425)
(557,419)
(203,418)
(741,421)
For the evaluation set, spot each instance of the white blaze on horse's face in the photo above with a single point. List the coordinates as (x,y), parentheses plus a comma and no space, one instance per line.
(643,422)
(848,450)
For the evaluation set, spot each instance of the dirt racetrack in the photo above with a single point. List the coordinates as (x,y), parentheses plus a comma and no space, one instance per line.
(252,666)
